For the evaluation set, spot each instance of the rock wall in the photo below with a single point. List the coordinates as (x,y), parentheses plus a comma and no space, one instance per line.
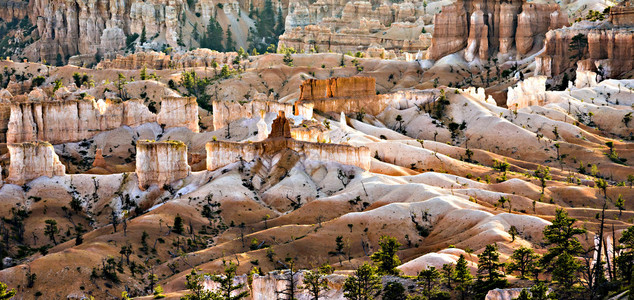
(11,9)
(347,94)
(158,60)
(585,79)
(225,112)
(609,50)
(32,160)
(531,91)
(483,27)
(320,38)
(221,153)
(73,120)
(622,14)
(341,26)
(179,112)
(160,163)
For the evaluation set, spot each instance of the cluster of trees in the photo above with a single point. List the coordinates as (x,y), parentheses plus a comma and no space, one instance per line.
(565,271)
(269,26)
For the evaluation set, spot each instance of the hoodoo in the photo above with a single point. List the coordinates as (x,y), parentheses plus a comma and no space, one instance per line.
(221,153)
(161,163)
(31,160)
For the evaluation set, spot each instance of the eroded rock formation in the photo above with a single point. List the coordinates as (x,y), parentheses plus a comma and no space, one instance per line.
(160,163)
(220,153)
(225,112)
(622,14)
(483,27)
(347,94)
(31,160)
(609,50)
(159,60)
(73,120)
(531,91)
(341,26)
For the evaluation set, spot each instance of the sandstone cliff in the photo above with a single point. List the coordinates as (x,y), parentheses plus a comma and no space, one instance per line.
(343,94)
(609,50)
(32,160)
(73,120)
(160,163)
(484,27)
(101,28)
(220,153)
(225,112)
(342,26)
(158,60)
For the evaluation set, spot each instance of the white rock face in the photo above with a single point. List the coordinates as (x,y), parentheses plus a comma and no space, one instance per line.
(73,120)
(531,91)
(32,160)
(585,79)
(226,112)
(161,163)
(179,112)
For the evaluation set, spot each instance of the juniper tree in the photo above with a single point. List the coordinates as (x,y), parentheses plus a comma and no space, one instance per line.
(51,230)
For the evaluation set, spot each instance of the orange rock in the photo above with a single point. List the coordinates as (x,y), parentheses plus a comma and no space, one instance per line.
(99,161)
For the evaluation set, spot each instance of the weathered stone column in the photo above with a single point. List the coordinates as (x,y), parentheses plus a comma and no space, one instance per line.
(160,163)
(31,160)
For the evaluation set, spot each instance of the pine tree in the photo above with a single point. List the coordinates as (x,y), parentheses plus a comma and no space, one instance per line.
(212,38)
(523,260)
(230,45)
(429,278)
(463,277)
(365,284)
(386,258)
(625,261)
(279,27)
(393,290)
(143,38)
(489,275)
(178,227)
(315,283)
(560,256)
(195,283)
(51,230)
(228,290)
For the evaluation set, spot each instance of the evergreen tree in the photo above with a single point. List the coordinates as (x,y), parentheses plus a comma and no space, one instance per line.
(212,38)
(429,278)
(230,45)
(143,38)
(228,290)
(463,277)
(559,259)
(291,281)
(178,227)
(51,230)
(279,27)
(365,284)
(386,258)
(489,275)
(315,283)
(266,31)
(195,283)
(523,260)
(393,290)
(625,261)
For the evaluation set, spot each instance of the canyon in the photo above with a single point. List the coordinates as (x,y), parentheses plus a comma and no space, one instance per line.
(447,134)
